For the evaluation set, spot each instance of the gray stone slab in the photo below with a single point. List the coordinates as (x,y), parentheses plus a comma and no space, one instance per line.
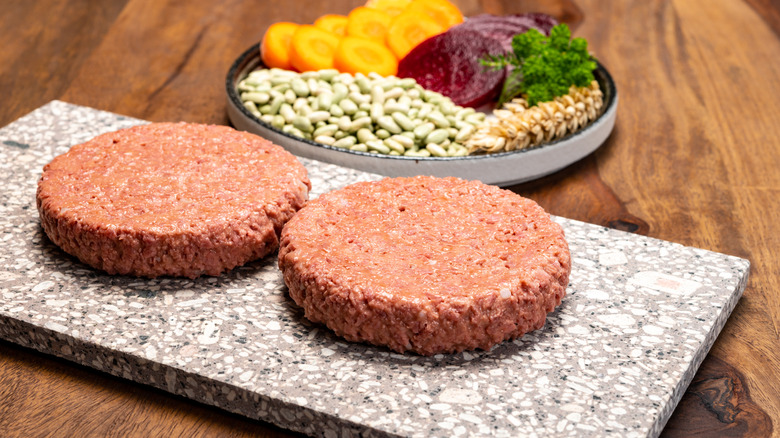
(612,360)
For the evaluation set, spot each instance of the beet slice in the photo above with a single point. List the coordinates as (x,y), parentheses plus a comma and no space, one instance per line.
(503,28)
(449,64)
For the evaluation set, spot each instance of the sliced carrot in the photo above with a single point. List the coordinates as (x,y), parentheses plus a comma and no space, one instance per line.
(333,23)
(408,30)
(389,7)
(441,11)
(368,23)
(360,55)
(275,47)
(312,48)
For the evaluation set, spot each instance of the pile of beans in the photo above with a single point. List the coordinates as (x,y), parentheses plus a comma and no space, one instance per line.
(368,113)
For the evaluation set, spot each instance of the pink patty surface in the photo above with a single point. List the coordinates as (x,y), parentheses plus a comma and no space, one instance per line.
(175,199)
(429,265)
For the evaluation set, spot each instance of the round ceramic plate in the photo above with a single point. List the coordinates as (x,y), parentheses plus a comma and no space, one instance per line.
(502,169)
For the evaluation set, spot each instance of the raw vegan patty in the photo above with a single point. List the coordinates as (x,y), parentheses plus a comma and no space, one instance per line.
(425,264)
(172,199)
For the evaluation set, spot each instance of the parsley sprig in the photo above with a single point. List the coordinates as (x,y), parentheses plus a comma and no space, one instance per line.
(544,67)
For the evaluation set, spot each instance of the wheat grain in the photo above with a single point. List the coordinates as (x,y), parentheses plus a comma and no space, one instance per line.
(516,126)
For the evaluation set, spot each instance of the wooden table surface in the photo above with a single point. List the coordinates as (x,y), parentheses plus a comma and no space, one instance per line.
(693,159)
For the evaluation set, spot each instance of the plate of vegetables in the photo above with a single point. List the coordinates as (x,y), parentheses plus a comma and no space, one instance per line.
(410,87)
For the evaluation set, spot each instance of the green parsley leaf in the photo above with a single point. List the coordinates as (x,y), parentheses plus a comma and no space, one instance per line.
(544,67)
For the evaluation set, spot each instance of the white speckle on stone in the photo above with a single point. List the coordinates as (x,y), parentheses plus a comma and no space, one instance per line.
(192,303)
(578,330)
(210,334)
(496,372)
(571,407)
(273,325)
(56,327)
(595,294)
(246,375)
(582,262)
(618,411)
(613,258)
(57,303)
(43,286)
(307,367)
(151,352)
(665,283)
(653,330)
(97,318)
(619,319)
(461,396)
(579,388)
(446,425)
(184,293)
(441,407)
(470,418)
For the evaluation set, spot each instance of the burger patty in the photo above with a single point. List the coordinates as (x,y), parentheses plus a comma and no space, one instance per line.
(429,265)
(173,199)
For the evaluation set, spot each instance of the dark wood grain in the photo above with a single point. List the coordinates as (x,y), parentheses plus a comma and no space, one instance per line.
(693,159)
(719,396)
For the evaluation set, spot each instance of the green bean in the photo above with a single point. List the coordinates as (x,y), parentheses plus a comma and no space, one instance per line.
(436,150)
(388,123)
(365,135)
(378,145)
(299,87)
(345,142)
(437,136)
(328,130)
(256,97)
(324,139)
(394,145)
(303,123)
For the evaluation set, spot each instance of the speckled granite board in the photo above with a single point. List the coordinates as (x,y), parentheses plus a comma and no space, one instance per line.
(613,360)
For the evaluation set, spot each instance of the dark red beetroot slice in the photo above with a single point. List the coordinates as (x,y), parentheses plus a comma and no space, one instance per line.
(503,28)
(449,64)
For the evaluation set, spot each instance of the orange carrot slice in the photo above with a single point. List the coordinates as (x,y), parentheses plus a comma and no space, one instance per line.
(368,23)
(275,47)
(312,48)
(389,7)
(408,30)
(441,11)
(333,23)
(360,55)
